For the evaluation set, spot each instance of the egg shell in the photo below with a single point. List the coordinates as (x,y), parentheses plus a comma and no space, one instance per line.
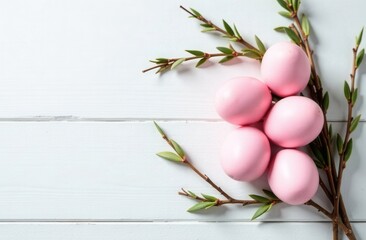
(285,69)
(245,154)
(294,122)
(293,176)
(243,100)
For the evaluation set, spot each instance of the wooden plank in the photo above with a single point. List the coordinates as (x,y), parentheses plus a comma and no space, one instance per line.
(85,170)
(69,58)
(178,231)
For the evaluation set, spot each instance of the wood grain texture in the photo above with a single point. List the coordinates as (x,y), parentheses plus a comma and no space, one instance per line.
(109,171)
(84,58)
(178,231)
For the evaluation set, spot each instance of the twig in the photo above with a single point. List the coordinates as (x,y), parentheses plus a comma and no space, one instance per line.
(218,29)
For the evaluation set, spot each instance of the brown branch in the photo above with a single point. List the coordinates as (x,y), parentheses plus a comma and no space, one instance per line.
(218,29)
(170,61)
(220,201)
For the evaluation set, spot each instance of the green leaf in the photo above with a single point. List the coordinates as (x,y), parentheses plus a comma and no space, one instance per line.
(305,25)
(229,30)
(359,38)
(201,61)
(237,34)
(201,205)
(348,151)
(225,50)
(285,14)
(270,194)
(259,198)
(280,29)
(347,91)
(330,130)
(196,13)
(360,57)
(354,123)
(226,59)
(209,29)
(326,101)
(196,53)
(354,96)
(292,35)
(296,4)
(177,63)
(260,44)
(177,148)
(192,194)
(339,143)
(208,197)
(284,4)
(159,129)
(261,210)
(318,154)
(205,25)
(169,156)
(252,53)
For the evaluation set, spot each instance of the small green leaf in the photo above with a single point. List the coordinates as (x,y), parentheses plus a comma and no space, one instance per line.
(226,59)
(201,205)
(284,4)
(237,34)
(177,63)
(360,57)
(348,151)
(270,194)
(201,61)
(347,91)
(354,96)
(261,210)
(326,101)
(192,194)
(259,198)
(196,13)
(318,154)
(177,148)
(292,35)
(354,123)
(305,25)
(252,53)
(225,50)
(169,156)
(205,25)
(196,53)
(229,30)
(339,143)
(280,29)
(296,4)
(359,38)
(330,130)
(209,29)
(159,129)
(285,14)
(260,44)
(208,197)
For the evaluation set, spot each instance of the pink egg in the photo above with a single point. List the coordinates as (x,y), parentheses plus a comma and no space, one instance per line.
(285,69)
(293,176)
(243,100)
(245,154)
(294,122)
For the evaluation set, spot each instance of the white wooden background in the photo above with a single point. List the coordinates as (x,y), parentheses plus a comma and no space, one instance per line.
(76,139)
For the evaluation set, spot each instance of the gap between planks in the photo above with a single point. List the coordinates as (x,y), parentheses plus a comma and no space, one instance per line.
(122,120)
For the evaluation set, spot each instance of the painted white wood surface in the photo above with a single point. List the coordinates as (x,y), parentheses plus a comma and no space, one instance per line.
(84,58)
(178,231)
(84,170)
(75,143)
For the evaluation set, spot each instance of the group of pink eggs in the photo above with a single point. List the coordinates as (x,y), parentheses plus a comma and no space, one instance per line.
(270,134)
